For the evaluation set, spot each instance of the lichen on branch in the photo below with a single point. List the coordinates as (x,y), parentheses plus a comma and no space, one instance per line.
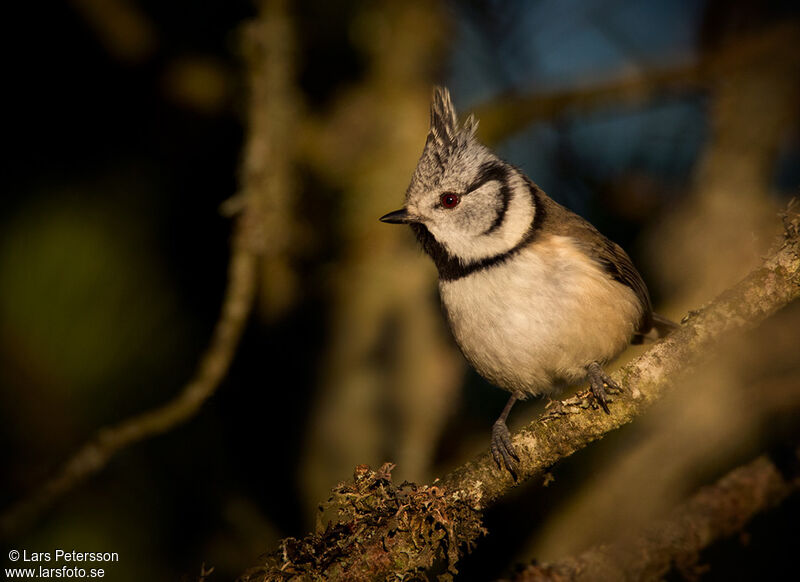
(380,529)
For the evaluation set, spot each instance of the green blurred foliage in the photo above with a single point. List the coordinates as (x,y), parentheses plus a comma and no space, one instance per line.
(82,297)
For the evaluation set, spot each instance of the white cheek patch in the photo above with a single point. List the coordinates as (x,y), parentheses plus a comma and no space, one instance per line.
(478,210)
(480,238)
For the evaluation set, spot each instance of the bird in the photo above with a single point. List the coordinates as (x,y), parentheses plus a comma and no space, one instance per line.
(536,297)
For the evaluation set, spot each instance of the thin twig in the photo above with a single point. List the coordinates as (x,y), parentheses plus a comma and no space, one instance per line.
(211,369)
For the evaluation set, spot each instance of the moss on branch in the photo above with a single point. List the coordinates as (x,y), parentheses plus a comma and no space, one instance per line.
(381,529)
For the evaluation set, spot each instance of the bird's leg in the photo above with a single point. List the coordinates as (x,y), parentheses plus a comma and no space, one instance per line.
(502,449)
(597,379)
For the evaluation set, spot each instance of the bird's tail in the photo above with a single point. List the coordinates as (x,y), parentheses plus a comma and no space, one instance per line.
(662,327)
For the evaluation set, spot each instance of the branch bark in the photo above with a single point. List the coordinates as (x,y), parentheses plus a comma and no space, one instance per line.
(369,545)
(713,513)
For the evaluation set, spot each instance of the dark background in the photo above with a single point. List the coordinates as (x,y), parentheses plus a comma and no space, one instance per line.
(124,127)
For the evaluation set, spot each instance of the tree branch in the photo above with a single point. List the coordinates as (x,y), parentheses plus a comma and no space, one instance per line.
(373,542)
(508,114)
(713,513)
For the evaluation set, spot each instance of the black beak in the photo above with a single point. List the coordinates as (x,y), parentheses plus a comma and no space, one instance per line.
(398,217)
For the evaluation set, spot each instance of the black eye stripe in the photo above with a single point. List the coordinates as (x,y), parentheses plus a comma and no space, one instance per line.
(489,172)
(494,172)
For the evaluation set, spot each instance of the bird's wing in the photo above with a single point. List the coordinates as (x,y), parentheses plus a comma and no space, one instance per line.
(608,254)
(619,266)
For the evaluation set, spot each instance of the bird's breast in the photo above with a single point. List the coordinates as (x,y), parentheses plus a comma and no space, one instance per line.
(536,320)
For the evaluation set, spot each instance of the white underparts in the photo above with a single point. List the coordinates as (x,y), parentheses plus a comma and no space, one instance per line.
(535,321)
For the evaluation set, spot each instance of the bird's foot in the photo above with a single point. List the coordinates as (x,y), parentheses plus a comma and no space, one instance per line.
(502,450)
(598,380)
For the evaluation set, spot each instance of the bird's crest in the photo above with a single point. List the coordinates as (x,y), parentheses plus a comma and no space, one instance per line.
(445,138)
(445,130)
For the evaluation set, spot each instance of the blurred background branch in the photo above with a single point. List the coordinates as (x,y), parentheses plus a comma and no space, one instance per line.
(267,172)
(506,115)
(717,511)
(388,367)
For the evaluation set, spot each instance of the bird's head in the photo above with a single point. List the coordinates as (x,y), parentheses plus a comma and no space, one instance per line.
(463,200)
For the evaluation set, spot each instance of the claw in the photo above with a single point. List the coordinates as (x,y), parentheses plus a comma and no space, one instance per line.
(598,379)
(502,450)
(599,393)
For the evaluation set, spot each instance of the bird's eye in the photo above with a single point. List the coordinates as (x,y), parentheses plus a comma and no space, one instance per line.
(450,200)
